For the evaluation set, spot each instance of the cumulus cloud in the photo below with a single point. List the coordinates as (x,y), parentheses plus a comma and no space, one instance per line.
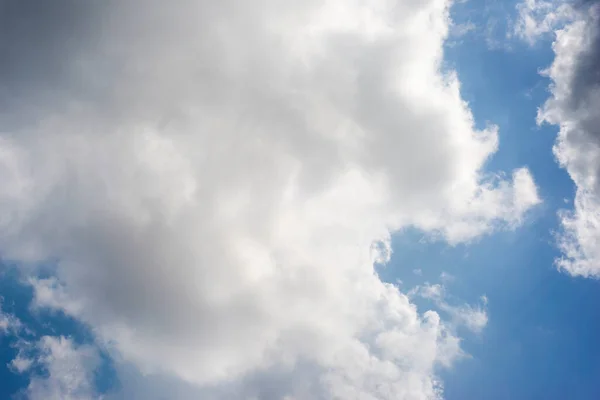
(214,182)
(68,369)
(574,106)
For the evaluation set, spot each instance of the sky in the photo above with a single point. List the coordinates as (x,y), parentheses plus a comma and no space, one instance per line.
(371,200)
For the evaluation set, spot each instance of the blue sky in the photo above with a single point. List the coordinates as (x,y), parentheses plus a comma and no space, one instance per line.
(540,340)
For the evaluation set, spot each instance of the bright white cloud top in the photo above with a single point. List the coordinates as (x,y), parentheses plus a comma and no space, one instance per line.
(210,179)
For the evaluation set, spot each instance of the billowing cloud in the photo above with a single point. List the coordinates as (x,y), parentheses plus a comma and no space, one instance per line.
(214,182)
(574,106)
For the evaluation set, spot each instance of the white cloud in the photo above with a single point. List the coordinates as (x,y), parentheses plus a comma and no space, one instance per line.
(9,324)
(538,18)
(445,277)
(573,107)
(484,299)
(474,318)
(20,364)
(68,370)
(459,30)
(209,179)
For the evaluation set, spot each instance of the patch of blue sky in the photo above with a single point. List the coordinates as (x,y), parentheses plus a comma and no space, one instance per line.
(541,338)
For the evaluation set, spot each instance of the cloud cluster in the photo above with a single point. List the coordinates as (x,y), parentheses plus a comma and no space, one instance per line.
(538,18)
(573,106)
(68,370)
(56,367)
(209,180)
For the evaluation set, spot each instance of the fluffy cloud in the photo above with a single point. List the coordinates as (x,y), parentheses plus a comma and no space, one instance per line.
(9,324)
(68,369)
(474,318)
(537,18)
(57,368)
(210,178)
(574,107)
